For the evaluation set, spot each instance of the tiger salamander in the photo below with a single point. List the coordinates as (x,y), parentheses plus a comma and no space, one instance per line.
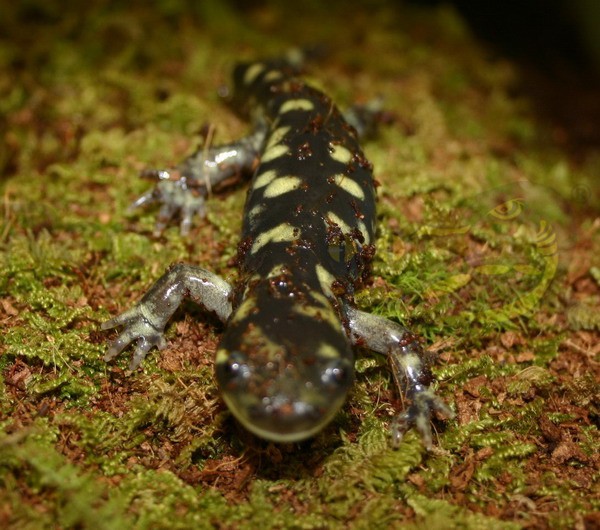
(285,362)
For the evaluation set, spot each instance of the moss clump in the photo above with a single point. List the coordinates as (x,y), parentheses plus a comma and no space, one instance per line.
(486,248)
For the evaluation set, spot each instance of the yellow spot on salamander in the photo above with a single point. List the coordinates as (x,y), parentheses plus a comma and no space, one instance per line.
(273,75)
(278,270)
(277,135)
(281,185)
(256,210)
(274,152)
(363,230)
(264,179)
(340,154)
(349,186)
(221,356)
(282,233)
(327,351)
(318,313)
(321,298)
(245,308)
(296,104)
(325,278)
(332,217)
(253,72)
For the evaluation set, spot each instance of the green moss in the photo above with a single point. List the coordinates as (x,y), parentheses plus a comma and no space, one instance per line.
(105,90)
(436,513)
(584,315)
(59,492)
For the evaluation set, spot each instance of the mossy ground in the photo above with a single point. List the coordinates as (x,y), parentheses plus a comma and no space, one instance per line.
(488,247)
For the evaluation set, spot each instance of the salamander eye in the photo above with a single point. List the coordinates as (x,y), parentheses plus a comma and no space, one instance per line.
(337,374)
(234,369)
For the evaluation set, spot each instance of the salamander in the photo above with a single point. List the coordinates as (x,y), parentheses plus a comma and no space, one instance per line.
(284,364)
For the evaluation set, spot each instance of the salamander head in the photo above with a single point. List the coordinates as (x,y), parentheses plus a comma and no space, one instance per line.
(284,372)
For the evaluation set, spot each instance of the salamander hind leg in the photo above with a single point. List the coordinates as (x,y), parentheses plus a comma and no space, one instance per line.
(144,323)
(411,372)
(410,369)
(368,117)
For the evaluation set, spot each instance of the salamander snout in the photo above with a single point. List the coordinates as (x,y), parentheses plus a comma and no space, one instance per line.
(280,401)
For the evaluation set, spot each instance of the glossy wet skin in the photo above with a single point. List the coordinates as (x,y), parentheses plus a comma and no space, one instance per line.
(283,404)
(282,378)
(285,363)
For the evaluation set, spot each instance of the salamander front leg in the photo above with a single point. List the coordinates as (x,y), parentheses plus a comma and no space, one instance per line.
(145,322)
(172,191)
(410,369)
(182,191)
